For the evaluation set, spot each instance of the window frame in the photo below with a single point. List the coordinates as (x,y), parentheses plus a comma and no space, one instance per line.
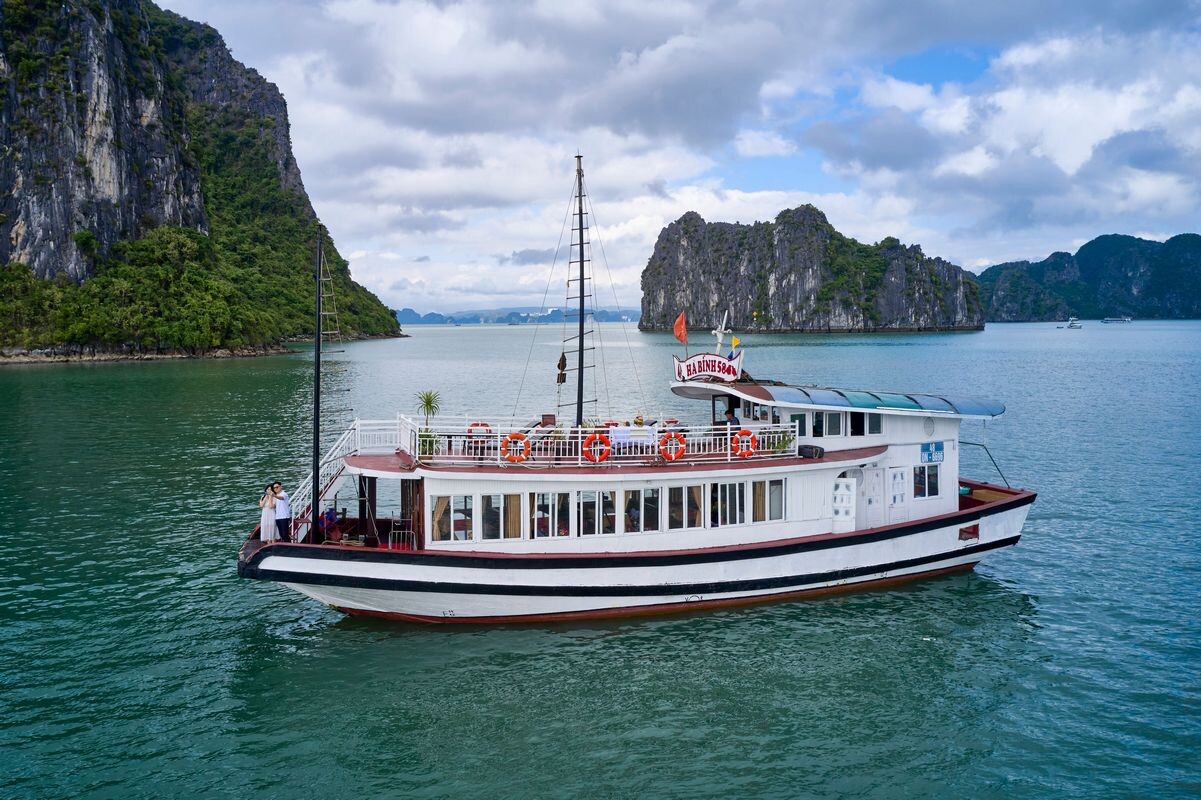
(925,481)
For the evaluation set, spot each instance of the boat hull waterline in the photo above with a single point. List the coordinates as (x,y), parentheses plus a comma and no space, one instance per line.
(480,587)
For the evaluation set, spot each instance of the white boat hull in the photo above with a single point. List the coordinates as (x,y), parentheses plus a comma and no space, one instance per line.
(483,587)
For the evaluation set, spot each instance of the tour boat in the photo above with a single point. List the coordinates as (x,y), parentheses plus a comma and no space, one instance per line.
(806,491)
(1120,320)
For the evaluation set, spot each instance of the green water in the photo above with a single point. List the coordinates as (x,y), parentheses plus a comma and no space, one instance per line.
(134,663)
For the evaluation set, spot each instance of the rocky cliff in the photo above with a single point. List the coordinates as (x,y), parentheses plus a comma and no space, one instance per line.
(122,123)
(1108,277)
(799,274)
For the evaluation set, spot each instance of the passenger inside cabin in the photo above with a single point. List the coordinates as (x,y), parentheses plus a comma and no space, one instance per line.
(731,419)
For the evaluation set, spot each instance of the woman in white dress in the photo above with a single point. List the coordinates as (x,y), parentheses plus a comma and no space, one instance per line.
(267,530)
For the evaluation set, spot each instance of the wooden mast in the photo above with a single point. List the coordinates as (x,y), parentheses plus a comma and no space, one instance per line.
(579,386)
(315,495)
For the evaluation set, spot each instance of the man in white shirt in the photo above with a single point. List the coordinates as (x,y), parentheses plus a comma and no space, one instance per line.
(283,512)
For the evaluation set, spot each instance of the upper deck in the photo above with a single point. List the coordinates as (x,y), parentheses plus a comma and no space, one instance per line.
(406,444)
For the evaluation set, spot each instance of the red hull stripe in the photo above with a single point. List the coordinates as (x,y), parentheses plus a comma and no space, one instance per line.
(665,609)
(786,582)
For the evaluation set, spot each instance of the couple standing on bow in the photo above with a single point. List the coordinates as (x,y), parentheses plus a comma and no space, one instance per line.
(277,514)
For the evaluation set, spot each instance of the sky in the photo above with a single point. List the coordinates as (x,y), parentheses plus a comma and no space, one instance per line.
(437,139)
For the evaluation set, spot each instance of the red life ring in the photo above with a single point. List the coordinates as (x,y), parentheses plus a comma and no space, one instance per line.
(672,453)
(736,444)
(506,444)
(483,428)
(606,448)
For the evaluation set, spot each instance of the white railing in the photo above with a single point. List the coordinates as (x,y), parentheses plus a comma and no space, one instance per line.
(331,468)
(529,444)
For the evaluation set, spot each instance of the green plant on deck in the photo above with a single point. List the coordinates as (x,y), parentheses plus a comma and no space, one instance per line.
(429,403)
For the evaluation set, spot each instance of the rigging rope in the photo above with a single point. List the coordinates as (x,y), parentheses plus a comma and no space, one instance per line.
(624,328)
(534,339)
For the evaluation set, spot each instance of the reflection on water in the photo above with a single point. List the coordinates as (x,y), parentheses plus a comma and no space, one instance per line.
(134,661)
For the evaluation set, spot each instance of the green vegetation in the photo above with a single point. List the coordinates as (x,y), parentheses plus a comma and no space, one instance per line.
(856,272)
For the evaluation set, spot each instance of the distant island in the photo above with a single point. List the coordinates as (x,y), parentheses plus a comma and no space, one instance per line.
(155,205)
(797,273)
(510,316)
(1111,276)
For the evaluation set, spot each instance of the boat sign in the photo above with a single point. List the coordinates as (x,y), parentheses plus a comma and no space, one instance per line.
(932,453)
(709,365)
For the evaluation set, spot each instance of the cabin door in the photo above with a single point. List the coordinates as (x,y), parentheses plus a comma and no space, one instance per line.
(409,525)
(898,510)
(873,497)
(844,504)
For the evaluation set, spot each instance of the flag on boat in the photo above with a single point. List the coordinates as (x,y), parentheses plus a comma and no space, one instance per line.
(735,341)
(681,329)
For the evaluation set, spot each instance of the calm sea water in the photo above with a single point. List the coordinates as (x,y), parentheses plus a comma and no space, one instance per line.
(134,663)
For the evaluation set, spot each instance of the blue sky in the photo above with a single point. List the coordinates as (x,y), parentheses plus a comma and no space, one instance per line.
(436,139)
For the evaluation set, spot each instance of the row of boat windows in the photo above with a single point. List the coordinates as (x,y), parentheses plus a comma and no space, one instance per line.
(842,423)
(820,423)
(595,512)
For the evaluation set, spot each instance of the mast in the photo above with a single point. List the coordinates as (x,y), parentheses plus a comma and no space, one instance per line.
(315,502)
(579,386)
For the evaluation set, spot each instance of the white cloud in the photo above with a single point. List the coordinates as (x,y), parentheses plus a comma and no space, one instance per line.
(972,162)
(886,91)
(754,143)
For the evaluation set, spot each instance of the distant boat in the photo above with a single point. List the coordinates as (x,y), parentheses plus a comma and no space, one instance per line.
(1108,320)
(1074,323)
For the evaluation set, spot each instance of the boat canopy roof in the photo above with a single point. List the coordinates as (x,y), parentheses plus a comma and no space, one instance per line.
(779,394)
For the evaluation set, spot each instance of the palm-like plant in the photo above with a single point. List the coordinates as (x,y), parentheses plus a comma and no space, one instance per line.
(429,403)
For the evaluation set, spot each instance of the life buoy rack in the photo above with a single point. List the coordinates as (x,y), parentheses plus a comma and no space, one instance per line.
(738,449)
(484,429)
(506,447)
(591,454)
(667,450)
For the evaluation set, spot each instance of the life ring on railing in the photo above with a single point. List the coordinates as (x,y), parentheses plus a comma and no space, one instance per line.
(506,445)
(484,431)
(669,452)
(606,448)
(736,444)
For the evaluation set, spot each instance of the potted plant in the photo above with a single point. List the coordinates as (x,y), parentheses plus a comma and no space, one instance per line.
(429,402)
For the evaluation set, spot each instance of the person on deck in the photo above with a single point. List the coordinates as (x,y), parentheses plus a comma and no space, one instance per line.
(283,512)
(731,419)
(267,529)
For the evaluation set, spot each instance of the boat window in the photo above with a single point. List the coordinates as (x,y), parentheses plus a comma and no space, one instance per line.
(642,510)
(727,503)
(453,518)
(875,423)
(500,516)
(833,423)
(596,513)
(827,423)
(550,514)
(799,420)
(767,500)
(858,426)
(925,481)
(684,507)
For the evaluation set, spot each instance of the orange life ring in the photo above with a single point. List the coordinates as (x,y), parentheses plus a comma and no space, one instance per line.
(483,428)
(506,444)
(670,453)
(606,448)
(736,444)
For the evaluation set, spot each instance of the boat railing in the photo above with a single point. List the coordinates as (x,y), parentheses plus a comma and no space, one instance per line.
(522,442)
(332,467)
